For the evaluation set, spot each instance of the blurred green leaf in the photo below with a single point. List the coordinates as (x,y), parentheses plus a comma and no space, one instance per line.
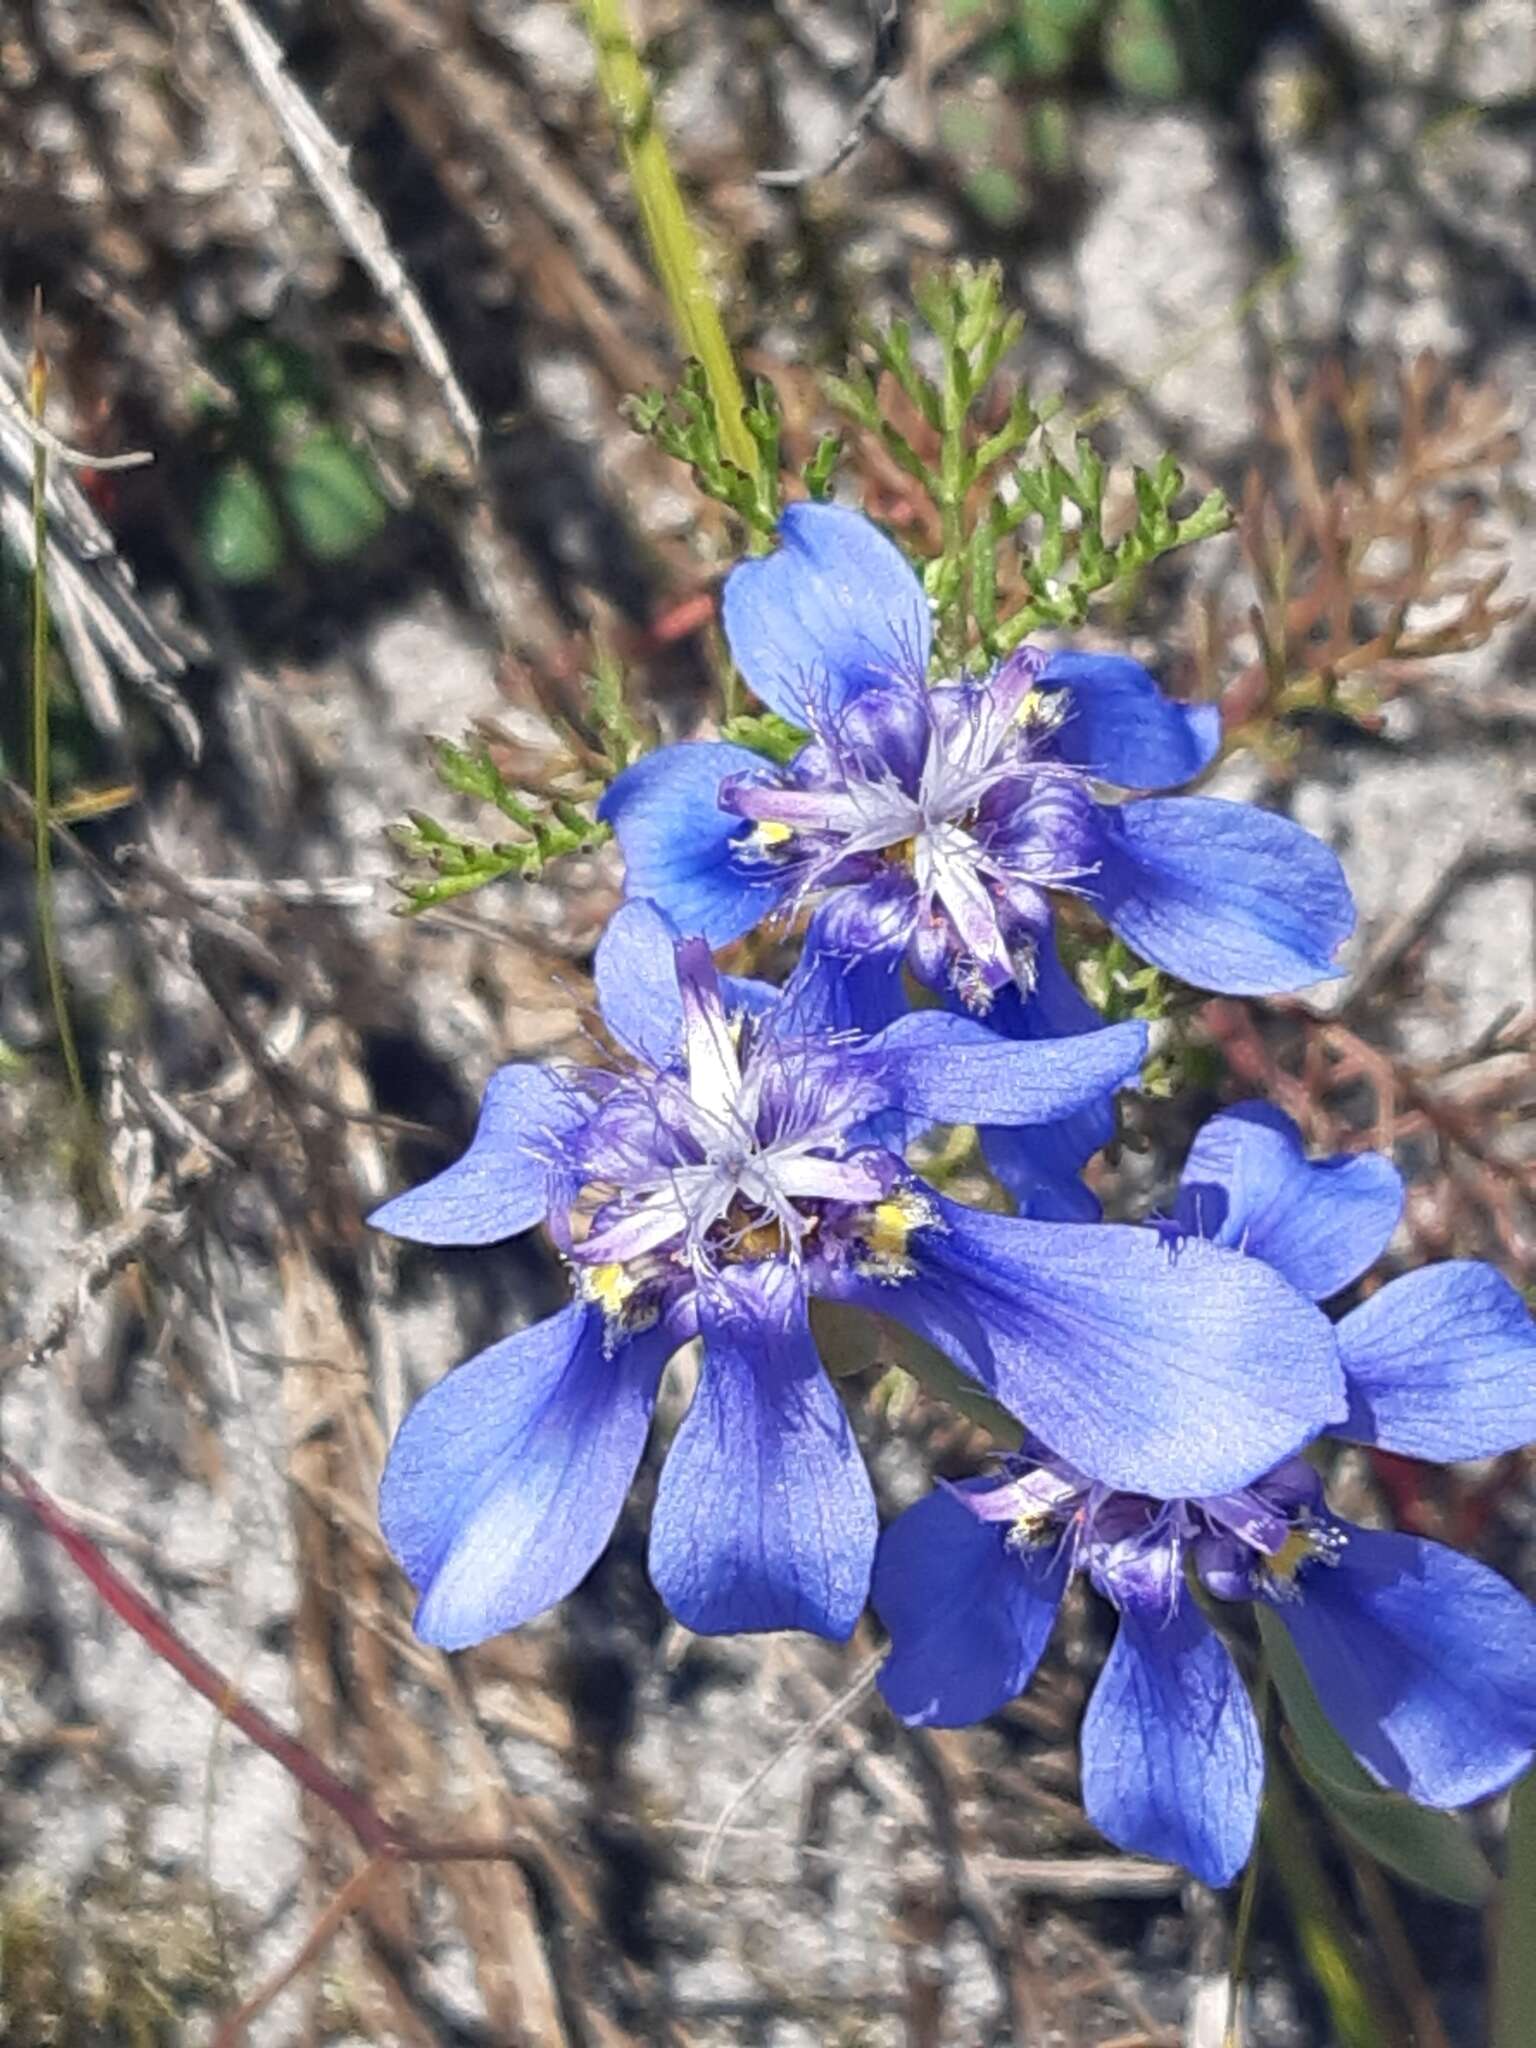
(1431,1849)
(1356,2011)
(854,1340)
(997,195)
(238,527)
(329,493)
(1141,51)
(1515,1973)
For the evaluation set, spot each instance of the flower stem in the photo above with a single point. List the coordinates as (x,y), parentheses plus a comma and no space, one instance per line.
(1317,1915)
(664,216)
(1515,1976)
(1247,1905)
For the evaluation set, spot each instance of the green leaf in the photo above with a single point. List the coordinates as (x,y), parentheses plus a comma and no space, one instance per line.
(1430,1849)
(765,733)
(329,493)
(238,528)
(620,732)
(855,1339)
(818,472)
(1515,1974)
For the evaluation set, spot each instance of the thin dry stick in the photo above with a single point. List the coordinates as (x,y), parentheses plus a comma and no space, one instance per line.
(889,25)
(233,2030)
(863,1679)
(324,163)
(72,458)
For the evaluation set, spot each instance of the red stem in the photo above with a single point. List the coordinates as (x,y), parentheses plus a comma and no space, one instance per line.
(377,1835)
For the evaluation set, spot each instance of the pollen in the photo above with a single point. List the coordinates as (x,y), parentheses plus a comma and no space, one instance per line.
(770,836)
(888,1233)
(610,1287)
(1041,710)
(765,1240)
(903,854)
(1308,1543)
(1288,1560)
(891,1226)
(1029,1530)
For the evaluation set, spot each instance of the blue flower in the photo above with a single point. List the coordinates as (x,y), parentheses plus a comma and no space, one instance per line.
(730,1166)
(932,827)
(1424,1660)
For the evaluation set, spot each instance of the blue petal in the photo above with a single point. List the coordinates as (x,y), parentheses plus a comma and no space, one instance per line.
(505,1481)
(1424,1661)
(834,608)
(834,989)
(637,993)
(500,1186)
(1170,1373)
(968,1618)
(1441,1364)
(1040,1165)
(1121,726)
(676,840)
(636,975)
(764,1516)
(1223,895)
(1248,1183)
(1173,1763)
(954,1070)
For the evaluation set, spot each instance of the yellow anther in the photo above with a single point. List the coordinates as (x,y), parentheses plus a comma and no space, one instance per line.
(1029,1530)
(1044,709)
(891,1226)
(609,1286)
(770,834)
(1293,1553)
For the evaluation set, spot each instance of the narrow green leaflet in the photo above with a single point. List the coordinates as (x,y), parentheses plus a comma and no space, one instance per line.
(766,733)
(1430,1849)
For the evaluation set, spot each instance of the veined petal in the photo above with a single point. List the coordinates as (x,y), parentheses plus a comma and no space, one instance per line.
(1040,1164)
(954,1070)
(1441,1364)
(764,1516)
(1175,1374)
(1173,1764)
(635,969)
(1248,1183)
(714,1069)
(1424,1661)
(500,1186)
(834,608)
(505,1481)
(1121,727)
(1224,895)
(968,1617)
(677,841)
(839,988)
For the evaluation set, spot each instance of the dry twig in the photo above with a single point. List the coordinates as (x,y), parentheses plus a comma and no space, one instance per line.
(357,219)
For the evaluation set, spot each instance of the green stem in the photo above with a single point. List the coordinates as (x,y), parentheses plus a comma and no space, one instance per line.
(664,216)
(1318,1916)
(1247,1905)
(42,779)
(1515,1976)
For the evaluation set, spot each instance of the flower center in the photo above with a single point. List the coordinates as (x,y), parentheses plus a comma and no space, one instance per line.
(734,1155)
